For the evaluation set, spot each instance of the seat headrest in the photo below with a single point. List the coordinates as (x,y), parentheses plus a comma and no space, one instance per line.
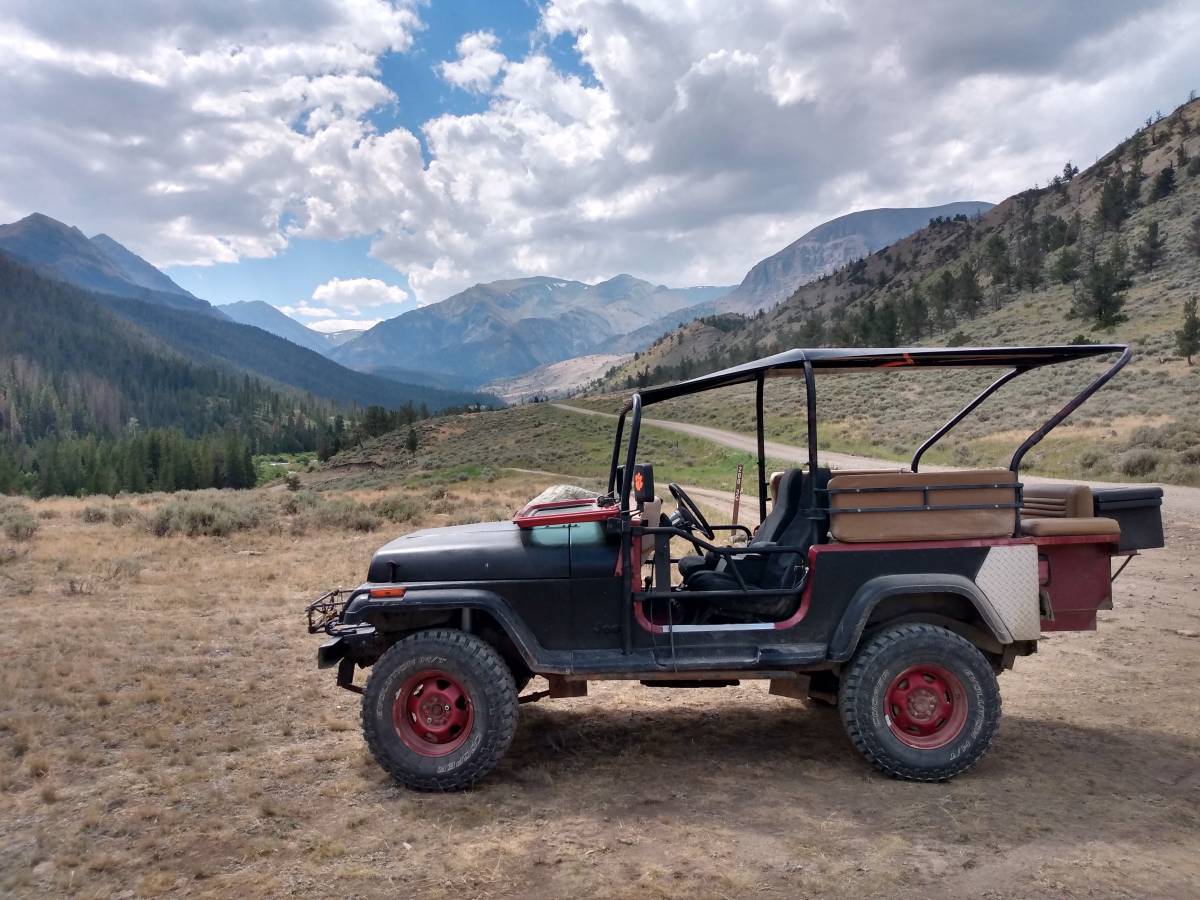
(1071,501)
(773,493)
(790,484)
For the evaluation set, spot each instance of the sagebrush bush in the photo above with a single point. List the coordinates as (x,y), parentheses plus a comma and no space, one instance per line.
(397,508)
(124,568)
(299,502)
(1138,463)
(122,514)
(94,514)
(342,513)
(206,513)
(218,513)
(18,523)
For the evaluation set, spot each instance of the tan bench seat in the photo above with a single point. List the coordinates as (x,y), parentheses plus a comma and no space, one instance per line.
(1061,526)
(994,491)
(1054,510)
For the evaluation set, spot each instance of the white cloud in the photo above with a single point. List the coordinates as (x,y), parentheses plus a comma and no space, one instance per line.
(359,293)
(305,309)
(706,135)
(197,116)
(327,326)
(478,62)
(340,304)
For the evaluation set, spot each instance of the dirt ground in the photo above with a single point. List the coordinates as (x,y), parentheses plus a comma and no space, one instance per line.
(164,731)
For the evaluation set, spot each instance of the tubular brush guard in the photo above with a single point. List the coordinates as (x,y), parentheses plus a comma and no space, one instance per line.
(326,611)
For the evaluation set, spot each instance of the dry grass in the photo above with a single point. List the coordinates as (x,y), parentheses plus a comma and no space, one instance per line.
(167,733)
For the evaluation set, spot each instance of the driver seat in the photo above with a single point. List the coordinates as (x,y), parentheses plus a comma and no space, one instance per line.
(783,510)
(768,570)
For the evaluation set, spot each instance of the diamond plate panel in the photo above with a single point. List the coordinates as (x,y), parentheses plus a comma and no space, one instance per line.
(1009,577)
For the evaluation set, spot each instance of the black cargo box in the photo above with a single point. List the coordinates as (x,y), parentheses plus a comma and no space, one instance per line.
(1138,509)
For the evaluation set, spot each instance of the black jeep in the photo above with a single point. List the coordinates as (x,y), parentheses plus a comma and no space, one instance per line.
(897,595)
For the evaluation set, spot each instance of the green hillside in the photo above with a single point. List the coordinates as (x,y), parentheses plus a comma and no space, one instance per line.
(257,351)
(543,442)
(89,402)
(1071,261)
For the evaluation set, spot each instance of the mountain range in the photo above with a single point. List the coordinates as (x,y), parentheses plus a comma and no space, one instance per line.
(96,264)
(829,247)
(105,273)
(440,353)
(269,318)
(508,327)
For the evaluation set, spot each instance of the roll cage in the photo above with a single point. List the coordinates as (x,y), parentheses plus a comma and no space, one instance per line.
(805,363)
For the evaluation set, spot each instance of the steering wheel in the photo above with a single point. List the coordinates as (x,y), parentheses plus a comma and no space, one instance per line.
(690,512)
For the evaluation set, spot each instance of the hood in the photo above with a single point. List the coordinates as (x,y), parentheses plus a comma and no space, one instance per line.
(488,551)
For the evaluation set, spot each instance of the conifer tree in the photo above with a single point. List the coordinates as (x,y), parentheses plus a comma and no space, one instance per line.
(1164,184)
(1187,338)
(1114,204)
(1065,268)
(1104,286)
(1151,248)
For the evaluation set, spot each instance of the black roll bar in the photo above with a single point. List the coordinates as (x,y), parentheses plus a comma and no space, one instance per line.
(963,413)
(635,427)
(1055,420)
(616,454)
(810,398)
(762,443)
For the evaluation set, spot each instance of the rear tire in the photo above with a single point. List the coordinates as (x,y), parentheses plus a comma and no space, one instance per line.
(920,703)
(439,710)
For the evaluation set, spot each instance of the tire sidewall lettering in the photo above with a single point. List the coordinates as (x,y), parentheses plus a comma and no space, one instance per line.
(888,655)
(387,697)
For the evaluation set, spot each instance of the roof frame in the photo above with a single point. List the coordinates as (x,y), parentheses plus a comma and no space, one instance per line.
(806,362)
(846,359)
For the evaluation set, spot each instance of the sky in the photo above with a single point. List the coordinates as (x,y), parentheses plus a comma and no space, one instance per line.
(348,160)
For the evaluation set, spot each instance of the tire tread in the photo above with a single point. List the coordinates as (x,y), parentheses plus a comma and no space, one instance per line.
(866,743)
(502,704)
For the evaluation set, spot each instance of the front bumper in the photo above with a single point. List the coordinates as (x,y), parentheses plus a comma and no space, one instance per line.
(325,614)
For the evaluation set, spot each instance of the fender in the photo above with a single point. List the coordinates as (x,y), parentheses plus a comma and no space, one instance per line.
(850,628)
(454,599)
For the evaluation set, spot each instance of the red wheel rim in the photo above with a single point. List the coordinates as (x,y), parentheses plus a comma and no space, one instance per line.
(926,706)
(432,713)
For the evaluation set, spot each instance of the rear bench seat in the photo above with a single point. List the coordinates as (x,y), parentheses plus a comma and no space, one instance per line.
(1057,509)
(993,491)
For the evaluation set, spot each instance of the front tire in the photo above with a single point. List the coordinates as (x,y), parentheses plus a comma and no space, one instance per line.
(439,710)
(920,703)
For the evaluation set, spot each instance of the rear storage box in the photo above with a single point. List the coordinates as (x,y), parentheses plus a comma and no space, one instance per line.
(1138,509)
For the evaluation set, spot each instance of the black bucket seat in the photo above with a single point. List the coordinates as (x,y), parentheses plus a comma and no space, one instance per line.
(788,501)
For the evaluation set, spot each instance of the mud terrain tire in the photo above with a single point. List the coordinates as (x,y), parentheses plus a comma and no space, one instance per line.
(439,710)
(920,702)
